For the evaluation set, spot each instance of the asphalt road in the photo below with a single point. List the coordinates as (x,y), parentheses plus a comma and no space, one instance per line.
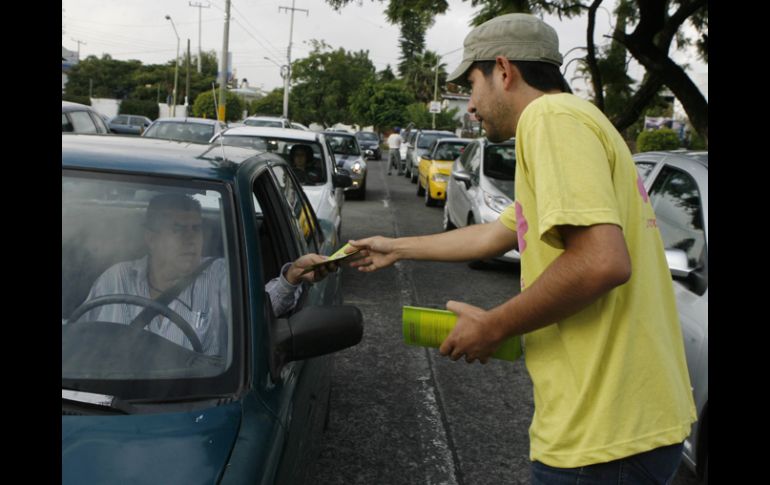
(406,415)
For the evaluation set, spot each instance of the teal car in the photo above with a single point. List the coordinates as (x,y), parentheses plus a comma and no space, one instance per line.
(140,407)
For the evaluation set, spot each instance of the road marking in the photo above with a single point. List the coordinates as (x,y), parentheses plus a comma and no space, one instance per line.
(439,463)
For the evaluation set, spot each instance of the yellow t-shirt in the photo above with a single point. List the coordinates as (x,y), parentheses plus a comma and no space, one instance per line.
(611,380)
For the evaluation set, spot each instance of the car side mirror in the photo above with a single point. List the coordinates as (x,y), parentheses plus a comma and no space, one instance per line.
(312,332)
(463,176)
(427,156)
(341,179)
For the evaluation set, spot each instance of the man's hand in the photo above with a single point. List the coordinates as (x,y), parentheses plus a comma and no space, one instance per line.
(294,273)
(376,253)
(475,335)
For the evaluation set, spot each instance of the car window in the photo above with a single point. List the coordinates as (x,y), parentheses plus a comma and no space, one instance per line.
(302,216)
(101,126)
(500,162)
(66,125)
(676,199)
(269,123)
(426,139)
(467,156)
(343,145)
(181,131)
(109,249)
(367,137)
(120,120)
(474,164)
(82,122)
(449,150)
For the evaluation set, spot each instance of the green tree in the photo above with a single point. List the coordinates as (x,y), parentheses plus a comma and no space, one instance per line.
(204,106)
(420,75)
(325,81)
(270,105)
(418,114)
(381,104)
(110,78)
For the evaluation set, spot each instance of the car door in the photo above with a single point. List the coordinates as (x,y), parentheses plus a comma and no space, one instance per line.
(300,395)
(680,201)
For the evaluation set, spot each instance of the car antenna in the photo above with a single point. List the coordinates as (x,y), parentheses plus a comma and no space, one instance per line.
(216,110)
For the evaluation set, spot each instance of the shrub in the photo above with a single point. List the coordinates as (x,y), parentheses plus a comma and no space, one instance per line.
(139,107)
(662,139)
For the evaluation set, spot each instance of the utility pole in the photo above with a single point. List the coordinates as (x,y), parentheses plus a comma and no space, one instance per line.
(435,91)
(79,42)
(287,78)
(200,52)
(187,87)
(176,65)
(223,65)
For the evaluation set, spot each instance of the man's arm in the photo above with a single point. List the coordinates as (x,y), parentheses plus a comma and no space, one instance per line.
(595,260)
(479,241)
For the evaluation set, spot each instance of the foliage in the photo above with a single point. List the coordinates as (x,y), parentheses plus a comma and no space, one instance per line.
(381,104)
(420,72)
(696,142)
(662,139)
(418,114)
(76,99)
(204,106)
(110,78)
(139,107)
(325,82)
(269,105)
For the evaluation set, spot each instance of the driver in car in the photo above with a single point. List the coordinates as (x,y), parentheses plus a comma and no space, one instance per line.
(196,288)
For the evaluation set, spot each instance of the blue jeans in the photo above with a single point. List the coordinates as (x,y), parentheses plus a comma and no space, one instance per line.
(394,160)
(656,466)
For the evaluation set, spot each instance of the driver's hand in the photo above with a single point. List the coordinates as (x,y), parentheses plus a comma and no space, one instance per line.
(295,273)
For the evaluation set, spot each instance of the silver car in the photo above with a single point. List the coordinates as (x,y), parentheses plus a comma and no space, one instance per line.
(348,155)
(481,186)
(677,184)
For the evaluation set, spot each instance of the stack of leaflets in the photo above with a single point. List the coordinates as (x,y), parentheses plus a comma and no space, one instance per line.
(429,327)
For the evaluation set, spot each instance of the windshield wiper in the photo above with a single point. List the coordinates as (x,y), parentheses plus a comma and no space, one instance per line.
(95,403)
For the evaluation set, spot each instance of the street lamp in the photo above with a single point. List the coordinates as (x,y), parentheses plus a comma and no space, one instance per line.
(176,67)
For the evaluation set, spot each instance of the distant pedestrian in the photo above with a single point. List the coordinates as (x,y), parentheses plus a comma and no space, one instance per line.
(394,151)
(596,312)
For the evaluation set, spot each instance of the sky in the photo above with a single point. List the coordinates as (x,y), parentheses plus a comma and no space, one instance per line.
(138,29)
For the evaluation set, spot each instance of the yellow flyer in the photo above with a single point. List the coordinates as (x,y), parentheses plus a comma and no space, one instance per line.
(339,256)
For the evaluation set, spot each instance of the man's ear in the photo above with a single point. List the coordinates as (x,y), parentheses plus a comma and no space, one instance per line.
(510,73)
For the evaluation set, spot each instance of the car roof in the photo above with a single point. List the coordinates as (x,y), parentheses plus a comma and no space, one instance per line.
(272,118)
(189,119)
(698,156)
(153,156)
(270,131)
(453,140)
(440,132)
(339,133)
(70,106)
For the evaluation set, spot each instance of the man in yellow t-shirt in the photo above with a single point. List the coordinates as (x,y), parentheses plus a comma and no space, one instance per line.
(597,313)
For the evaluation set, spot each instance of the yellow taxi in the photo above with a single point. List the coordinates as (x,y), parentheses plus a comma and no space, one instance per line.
(435,168)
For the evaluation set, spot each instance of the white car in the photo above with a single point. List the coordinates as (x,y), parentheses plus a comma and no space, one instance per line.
(678,187)
(326,192)
(481,187)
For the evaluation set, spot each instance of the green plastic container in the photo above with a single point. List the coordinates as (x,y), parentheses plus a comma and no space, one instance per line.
(429,327)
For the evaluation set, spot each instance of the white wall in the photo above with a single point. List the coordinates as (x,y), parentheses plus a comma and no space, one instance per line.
(105,106)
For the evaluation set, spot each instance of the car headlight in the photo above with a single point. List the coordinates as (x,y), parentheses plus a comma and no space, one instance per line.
(497,203)
(439,177)
(356,168)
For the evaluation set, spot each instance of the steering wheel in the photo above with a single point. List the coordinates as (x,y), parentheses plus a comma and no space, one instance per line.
(177,319)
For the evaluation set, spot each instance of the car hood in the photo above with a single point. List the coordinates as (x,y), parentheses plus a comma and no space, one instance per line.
(188,447)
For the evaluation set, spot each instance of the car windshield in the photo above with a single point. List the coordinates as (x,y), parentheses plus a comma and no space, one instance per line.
(427,139)
(367,137)
(181,131)
(500,162)
(272,123)
(343,145)
(307,159)
(449,150)
(146,287)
